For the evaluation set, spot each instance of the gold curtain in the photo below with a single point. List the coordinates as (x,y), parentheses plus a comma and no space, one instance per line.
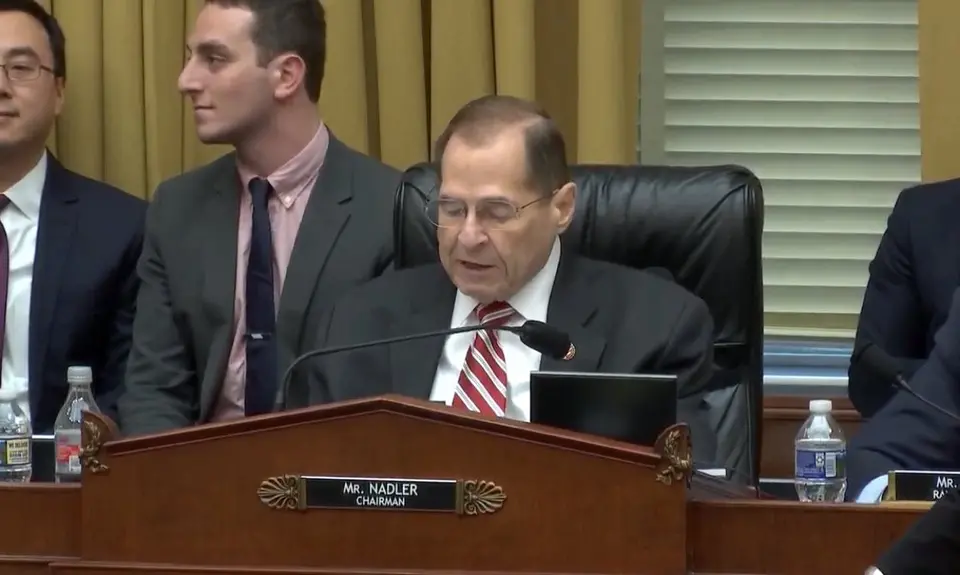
(396,72)
(939,89)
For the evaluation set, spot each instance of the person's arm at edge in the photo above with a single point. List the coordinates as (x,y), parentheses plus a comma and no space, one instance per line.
(905,433)
(109,386)
(161,379)
(932,544)
(891,316)
(308,384)
(689,349)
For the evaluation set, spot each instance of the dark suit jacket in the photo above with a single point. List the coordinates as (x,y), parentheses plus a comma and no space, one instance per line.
(620,319)
(912,279)
(183,330)
(905,433)
(932,546)
(84,291)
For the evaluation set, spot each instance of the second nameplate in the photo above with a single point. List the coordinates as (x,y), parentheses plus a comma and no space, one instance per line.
(920,485)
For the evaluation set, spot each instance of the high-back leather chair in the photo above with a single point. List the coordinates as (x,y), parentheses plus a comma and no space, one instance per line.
(702,224)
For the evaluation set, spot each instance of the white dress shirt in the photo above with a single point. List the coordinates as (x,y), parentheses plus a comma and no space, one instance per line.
(20,221)
(530,303)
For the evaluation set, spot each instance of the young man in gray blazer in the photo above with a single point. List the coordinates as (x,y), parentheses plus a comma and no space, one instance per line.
(242,255)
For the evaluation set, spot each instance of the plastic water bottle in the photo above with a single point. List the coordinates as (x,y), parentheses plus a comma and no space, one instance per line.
(67,427)
(16,438)
(821,449)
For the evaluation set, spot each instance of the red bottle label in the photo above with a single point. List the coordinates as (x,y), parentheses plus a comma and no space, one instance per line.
(67,455)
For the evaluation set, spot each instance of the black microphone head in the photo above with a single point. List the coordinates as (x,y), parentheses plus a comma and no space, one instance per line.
(877,361)
(547,339)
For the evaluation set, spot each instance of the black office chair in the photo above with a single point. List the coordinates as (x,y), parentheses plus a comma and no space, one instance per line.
(702,224)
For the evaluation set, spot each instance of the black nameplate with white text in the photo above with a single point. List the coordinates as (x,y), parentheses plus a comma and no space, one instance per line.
(303,492)
(372,493)
(921,485)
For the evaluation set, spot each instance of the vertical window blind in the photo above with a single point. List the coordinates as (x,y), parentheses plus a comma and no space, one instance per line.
(820,100)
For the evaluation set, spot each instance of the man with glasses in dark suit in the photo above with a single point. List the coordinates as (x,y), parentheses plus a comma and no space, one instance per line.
(68,244)
(505,198)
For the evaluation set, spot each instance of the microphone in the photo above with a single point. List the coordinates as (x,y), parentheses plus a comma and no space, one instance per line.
(536,335)
(881,364)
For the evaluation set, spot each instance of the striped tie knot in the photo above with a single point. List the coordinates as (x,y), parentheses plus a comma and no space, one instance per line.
(496,314)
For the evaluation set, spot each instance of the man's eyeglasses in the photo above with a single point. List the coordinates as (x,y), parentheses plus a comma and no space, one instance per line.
(24,71)
(489,214)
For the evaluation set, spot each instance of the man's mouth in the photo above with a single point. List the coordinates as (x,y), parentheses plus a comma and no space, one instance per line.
(474,266)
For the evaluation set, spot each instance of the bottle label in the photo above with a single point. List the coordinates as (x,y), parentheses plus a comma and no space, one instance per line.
(14,451)
(820,464)
(68,452)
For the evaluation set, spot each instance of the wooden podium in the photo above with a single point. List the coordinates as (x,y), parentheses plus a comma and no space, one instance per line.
(393,485)
(531,499)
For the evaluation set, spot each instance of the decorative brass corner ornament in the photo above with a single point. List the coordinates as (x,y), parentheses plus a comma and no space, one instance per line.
(281,492)
(93,436)
(676,455)
(481,497)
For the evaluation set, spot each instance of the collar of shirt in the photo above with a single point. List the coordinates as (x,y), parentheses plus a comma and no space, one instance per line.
(26,193)
(530,302)
(290,179)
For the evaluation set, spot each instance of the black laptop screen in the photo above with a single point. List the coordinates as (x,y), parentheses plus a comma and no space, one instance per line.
(634,408)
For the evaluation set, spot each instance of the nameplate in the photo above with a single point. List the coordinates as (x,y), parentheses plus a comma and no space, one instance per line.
(920,485)
(304,492)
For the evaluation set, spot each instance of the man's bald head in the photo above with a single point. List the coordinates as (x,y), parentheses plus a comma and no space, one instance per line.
(483,120)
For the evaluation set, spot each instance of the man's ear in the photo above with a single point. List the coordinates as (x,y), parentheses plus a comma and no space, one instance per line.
(565,204)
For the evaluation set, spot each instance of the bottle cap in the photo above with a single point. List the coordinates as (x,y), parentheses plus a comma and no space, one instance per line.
(79,374)
(821,406)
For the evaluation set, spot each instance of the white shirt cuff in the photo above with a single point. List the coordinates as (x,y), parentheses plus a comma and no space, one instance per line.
(873,492)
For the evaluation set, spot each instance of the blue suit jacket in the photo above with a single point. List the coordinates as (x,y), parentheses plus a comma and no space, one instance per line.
(905,433)
(931,546)
(84,289)
(912,279)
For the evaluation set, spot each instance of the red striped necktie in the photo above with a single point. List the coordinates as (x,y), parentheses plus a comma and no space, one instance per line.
(482,386)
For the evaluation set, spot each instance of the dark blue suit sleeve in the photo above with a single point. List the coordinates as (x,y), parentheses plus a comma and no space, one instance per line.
(906,434)
(110,383)
(891,316)
(932,546)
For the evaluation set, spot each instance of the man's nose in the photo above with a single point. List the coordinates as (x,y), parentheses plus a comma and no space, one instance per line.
(187,82)
(472,234)
(5,84)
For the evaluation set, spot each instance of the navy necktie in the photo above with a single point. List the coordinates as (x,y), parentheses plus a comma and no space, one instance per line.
(261,384)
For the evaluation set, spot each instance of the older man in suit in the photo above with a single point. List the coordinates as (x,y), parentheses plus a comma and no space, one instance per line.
(242,255)
(506,195)
(68,244)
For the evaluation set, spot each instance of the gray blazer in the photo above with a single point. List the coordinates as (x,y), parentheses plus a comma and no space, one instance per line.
(182,333)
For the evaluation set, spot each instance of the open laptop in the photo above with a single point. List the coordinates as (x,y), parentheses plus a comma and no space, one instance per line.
(633,408)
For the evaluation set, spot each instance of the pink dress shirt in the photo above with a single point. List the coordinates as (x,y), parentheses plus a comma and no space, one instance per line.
(293,183)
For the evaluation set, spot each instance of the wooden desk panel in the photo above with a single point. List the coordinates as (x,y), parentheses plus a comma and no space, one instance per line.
(782,417)
(786,538)
(723,538)
(47,521)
